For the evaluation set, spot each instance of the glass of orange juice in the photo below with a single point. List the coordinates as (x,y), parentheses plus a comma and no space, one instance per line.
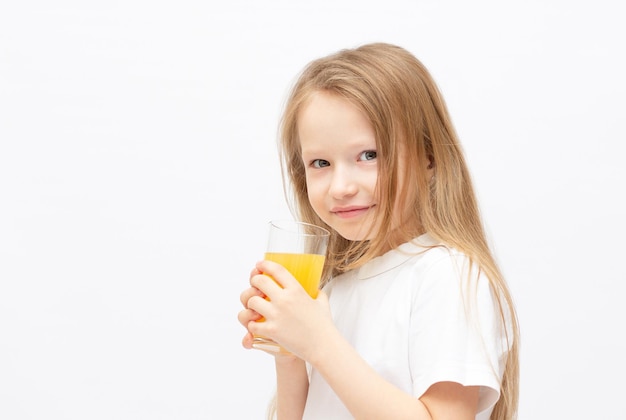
(301,248)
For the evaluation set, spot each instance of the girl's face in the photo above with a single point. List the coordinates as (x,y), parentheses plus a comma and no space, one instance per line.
(339,153)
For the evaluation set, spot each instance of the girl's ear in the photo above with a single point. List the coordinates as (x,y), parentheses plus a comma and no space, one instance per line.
(431,162)
(431,168)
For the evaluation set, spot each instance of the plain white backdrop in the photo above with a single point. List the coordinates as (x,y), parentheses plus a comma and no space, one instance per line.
(138,172)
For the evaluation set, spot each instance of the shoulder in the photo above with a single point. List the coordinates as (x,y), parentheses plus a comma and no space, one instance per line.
(415,266)
(443,277)
(440,264)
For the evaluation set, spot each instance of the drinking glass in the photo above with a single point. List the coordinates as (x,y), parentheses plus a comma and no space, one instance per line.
(301,248)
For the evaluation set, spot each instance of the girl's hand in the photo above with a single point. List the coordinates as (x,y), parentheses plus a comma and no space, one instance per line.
(292,318)
(247,316)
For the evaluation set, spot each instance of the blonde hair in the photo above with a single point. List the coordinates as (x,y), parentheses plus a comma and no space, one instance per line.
(415,139)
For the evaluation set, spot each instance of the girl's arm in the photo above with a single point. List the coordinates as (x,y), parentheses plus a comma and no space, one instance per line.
(367,395)
(292,385)
(305,327)
(292,381)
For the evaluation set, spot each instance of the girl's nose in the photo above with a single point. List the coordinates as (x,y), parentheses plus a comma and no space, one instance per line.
(343,183)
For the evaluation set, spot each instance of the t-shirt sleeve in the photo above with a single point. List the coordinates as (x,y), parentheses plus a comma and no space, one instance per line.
(456,332)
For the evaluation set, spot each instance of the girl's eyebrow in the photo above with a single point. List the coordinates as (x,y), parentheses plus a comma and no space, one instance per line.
(312,151)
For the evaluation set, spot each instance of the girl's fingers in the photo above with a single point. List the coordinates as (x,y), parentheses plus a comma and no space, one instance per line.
(279,273)
(247,341)
(266,284)
(248,315)
(248,293)
(254,272)
(260,306)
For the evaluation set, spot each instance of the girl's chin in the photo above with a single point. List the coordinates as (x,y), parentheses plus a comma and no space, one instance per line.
(353,231)
(357,236)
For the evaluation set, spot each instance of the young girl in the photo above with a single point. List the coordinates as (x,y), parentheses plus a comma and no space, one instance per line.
(414,319)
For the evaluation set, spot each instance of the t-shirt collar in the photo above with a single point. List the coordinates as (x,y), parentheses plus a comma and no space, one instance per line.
(396,257)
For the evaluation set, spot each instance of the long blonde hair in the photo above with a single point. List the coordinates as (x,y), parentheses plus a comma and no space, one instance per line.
(415,139)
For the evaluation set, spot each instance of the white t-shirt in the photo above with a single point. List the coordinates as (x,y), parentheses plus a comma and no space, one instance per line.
(414,316)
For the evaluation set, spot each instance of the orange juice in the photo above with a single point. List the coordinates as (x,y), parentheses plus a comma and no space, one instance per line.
(306,268)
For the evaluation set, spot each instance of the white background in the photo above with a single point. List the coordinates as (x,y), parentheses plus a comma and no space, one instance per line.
(138,171)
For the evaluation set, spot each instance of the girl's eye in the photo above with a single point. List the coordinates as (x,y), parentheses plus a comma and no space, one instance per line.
(368,155)
(319,163)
